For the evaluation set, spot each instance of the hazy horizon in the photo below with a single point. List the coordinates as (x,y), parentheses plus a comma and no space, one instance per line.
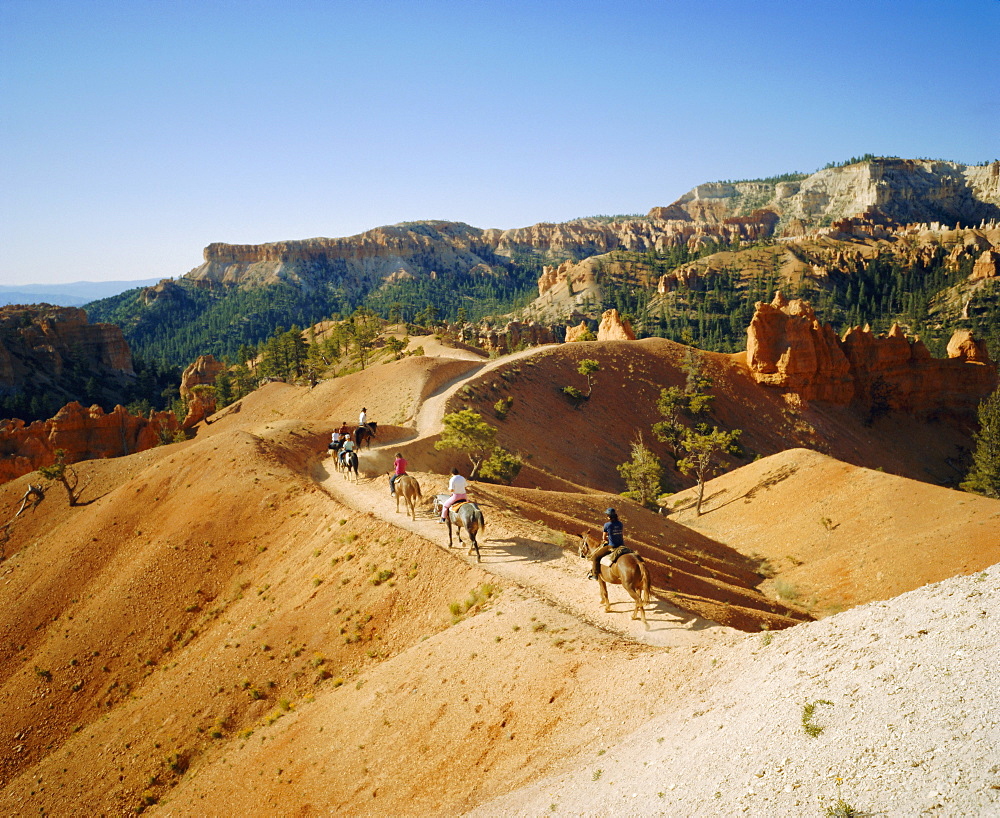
(134,135)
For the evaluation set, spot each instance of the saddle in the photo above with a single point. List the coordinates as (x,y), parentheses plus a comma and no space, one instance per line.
(457,504)
(610,559)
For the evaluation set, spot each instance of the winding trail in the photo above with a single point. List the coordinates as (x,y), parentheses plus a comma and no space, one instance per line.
(515,549)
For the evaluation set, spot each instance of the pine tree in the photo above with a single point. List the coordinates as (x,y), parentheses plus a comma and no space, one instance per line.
(984,476)
(703,448)
(643,475)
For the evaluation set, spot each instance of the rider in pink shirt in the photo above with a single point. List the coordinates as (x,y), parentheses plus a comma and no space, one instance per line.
(398,470)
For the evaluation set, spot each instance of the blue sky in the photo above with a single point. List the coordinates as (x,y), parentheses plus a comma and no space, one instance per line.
(135,132)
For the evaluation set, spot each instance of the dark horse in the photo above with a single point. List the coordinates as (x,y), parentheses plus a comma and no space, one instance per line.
(464,514)
(364,434)
(349,461)
(629,571)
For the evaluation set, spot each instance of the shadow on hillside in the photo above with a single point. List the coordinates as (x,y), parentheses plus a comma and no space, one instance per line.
(767,481)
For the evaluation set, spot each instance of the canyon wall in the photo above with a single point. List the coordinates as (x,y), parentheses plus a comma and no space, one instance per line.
(40,342)
(901,190)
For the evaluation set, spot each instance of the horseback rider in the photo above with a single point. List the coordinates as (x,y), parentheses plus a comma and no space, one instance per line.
(398,470)
(456,485)
(335,439)
(363,417)
(614,537)
(346,446)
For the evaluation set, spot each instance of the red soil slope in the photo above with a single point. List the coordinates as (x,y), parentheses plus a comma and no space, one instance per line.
(211,632)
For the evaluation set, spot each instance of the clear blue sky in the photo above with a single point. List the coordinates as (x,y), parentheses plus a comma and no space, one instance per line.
(135,132)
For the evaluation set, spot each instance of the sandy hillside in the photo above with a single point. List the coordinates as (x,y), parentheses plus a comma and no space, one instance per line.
(835,535)
(227,626)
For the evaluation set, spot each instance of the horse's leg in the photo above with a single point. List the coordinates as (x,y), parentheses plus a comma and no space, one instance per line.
(472,536)
(447,518)
(643,590)
(604,592)
(632,582)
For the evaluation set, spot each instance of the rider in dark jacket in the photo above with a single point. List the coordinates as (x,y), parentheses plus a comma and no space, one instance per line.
(614,536)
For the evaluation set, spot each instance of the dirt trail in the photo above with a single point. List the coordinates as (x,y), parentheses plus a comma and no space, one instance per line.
(431,411)
(514,551)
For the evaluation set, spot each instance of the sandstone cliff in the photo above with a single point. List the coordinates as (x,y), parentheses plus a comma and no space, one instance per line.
(787,347)
(880,194)
(900,190)
(509,337)
(40,342)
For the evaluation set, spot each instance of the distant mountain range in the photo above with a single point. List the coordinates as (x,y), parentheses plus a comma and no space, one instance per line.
(242,294)
(74,294)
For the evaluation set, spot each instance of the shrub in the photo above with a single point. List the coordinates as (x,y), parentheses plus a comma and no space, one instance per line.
(807,713)
(502,407)
(501,466)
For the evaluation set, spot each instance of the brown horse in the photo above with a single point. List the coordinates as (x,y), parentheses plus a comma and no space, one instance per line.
(629,571)
(409,489)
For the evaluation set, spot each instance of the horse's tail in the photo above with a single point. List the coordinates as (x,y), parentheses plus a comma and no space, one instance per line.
(416,485)
(480,519)
(645,579)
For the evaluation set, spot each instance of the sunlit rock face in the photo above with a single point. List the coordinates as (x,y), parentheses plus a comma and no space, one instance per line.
(788,348)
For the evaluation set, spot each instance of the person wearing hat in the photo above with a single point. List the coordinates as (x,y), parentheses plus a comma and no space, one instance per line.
(614,536)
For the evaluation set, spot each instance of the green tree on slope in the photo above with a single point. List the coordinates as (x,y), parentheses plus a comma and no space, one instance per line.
(984,476)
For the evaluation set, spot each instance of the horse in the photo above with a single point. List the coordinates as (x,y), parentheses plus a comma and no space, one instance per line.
(364,434)
(464,514)
(409,489)
(629,571)
(349,462)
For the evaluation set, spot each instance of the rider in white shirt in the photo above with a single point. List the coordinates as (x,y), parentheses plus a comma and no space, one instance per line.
(456,485)
(363,418)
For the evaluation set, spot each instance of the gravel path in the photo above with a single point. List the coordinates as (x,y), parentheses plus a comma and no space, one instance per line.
(901,696)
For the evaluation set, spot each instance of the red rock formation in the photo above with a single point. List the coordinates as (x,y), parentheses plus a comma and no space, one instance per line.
(514,335)
(986,266)
(614,327)
(578,332)
(788,348)
(203,371)
(37,341)
(201,403)
(964,346)
(84,434)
